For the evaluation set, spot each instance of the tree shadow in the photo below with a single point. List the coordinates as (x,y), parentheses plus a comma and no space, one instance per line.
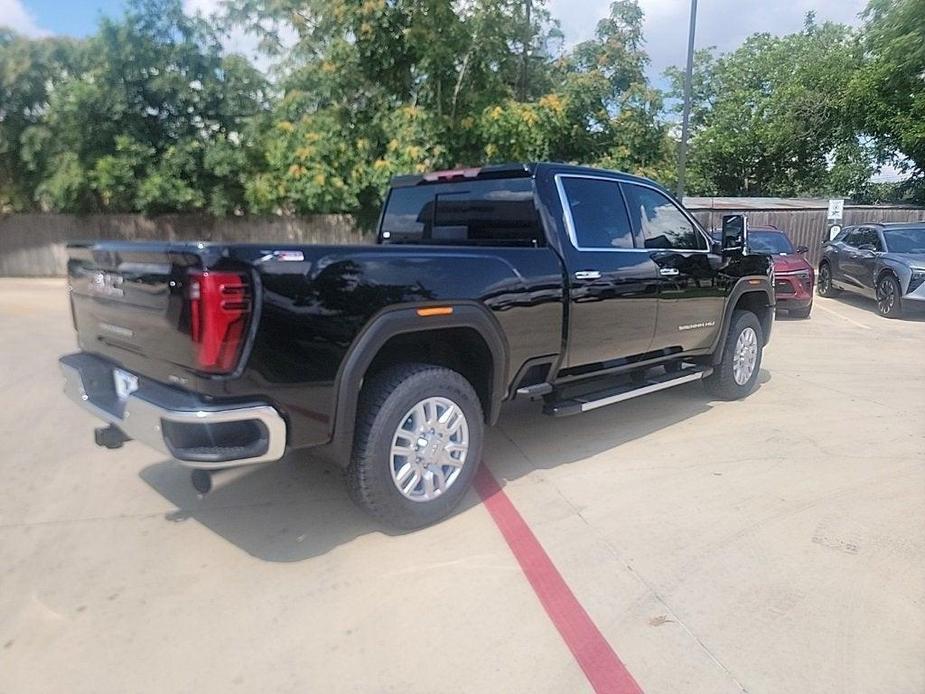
(298,508)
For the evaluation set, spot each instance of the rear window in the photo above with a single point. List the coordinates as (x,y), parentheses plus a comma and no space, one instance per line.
(497,212)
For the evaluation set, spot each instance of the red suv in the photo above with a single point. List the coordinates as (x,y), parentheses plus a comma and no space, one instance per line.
(794,277)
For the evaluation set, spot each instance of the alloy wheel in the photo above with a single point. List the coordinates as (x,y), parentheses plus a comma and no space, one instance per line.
(745,356)
(429,449)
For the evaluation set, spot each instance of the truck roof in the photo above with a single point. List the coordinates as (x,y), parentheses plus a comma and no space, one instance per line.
(511,170)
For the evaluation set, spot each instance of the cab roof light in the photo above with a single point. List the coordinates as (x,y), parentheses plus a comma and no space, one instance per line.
(435,311)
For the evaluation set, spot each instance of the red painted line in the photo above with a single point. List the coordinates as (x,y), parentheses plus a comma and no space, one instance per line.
(604,670)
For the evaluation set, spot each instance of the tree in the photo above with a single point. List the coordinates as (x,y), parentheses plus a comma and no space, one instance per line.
(773,117)
(170,118)
(888,92)
(30,72)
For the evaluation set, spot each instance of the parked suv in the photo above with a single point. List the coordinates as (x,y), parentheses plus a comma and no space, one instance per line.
(794,276)
(885,262)
(581,286)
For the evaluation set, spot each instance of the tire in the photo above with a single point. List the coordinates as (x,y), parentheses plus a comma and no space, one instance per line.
(889,297)
(388,409)
(801,313)
(722,382)
(824,282)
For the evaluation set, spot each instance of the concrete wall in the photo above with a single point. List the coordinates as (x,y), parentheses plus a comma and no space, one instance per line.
(33,245)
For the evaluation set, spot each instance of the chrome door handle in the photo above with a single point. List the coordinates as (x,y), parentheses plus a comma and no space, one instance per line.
(587,275)
(669,271)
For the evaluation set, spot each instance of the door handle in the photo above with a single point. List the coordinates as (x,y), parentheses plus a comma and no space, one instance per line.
(669,271)
(588,275)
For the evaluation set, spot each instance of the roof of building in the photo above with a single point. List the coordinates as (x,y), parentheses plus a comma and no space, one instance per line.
(733,203)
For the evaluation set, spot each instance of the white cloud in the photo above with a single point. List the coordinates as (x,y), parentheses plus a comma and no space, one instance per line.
(721,23)
(15,16)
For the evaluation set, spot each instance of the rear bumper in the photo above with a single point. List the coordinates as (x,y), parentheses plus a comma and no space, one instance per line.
(194,432)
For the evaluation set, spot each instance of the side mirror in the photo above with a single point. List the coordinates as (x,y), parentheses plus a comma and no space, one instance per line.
(735,234)
(802,249)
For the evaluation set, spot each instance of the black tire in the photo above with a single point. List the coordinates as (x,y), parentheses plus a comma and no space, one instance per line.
(384,402)
(889,297)
(801,313)
(722,383)
(824,284)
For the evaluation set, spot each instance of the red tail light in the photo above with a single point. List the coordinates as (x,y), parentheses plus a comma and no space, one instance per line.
(220,304)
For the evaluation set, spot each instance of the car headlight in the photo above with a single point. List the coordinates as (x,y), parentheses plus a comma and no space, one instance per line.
(918,277)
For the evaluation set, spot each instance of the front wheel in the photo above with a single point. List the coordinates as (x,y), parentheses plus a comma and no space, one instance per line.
(735,376)
(824,285)
(418,444)
(889,303)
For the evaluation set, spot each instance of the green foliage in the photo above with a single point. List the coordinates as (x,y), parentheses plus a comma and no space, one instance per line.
(888,93)
(770,118)
(150,115)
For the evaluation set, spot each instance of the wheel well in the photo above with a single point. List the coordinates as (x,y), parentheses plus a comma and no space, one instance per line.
(463,350)
(887,271)
(757,303)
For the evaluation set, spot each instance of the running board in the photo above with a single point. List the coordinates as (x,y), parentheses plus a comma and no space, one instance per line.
(602,398)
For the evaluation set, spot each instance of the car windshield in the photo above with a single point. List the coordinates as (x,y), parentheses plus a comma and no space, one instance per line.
(769,243)
(905,240)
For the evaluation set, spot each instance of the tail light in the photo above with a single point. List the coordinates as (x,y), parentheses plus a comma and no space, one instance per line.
(220,303)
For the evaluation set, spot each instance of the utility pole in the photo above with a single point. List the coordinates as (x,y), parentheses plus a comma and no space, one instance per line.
(528,39)
(686,117)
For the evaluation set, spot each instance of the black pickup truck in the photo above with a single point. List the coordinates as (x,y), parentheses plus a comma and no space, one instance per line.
(579,286)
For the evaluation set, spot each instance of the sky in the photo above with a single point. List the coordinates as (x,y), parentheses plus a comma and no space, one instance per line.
(720,23)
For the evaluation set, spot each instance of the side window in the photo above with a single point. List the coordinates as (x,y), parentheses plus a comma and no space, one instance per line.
(870,237)
(409,214)
(659,222)
(852,238)
(597,211)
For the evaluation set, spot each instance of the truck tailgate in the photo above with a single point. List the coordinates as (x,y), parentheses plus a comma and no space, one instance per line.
(132,302)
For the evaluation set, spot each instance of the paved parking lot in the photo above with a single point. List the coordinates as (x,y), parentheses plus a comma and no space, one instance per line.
(770,545)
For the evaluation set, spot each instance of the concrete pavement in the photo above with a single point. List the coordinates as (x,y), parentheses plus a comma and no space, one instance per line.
(769,545)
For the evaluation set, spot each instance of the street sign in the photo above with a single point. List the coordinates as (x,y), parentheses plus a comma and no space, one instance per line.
(836,208)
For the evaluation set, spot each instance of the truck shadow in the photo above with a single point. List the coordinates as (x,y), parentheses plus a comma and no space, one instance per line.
(298,508)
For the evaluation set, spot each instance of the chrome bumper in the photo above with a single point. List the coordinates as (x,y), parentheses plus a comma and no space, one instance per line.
(143,414)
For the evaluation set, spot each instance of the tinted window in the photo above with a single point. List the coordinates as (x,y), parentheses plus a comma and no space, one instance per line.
(905,240)
(598,213)
(869,237)
(853,238)
(769,243)
(409,215)
(498,212)
(659,222)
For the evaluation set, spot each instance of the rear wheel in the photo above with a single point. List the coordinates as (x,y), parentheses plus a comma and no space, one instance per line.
(418,444)
(735,376)
(824,285)
(801,312)
(889,302)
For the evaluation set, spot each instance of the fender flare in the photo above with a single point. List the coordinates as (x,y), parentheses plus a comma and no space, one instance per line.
(757,284)
(401,321)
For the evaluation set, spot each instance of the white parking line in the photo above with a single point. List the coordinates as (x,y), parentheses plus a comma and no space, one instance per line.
(843,317)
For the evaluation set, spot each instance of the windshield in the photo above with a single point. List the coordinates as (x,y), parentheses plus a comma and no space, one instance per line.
(769,243)
(905,240)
